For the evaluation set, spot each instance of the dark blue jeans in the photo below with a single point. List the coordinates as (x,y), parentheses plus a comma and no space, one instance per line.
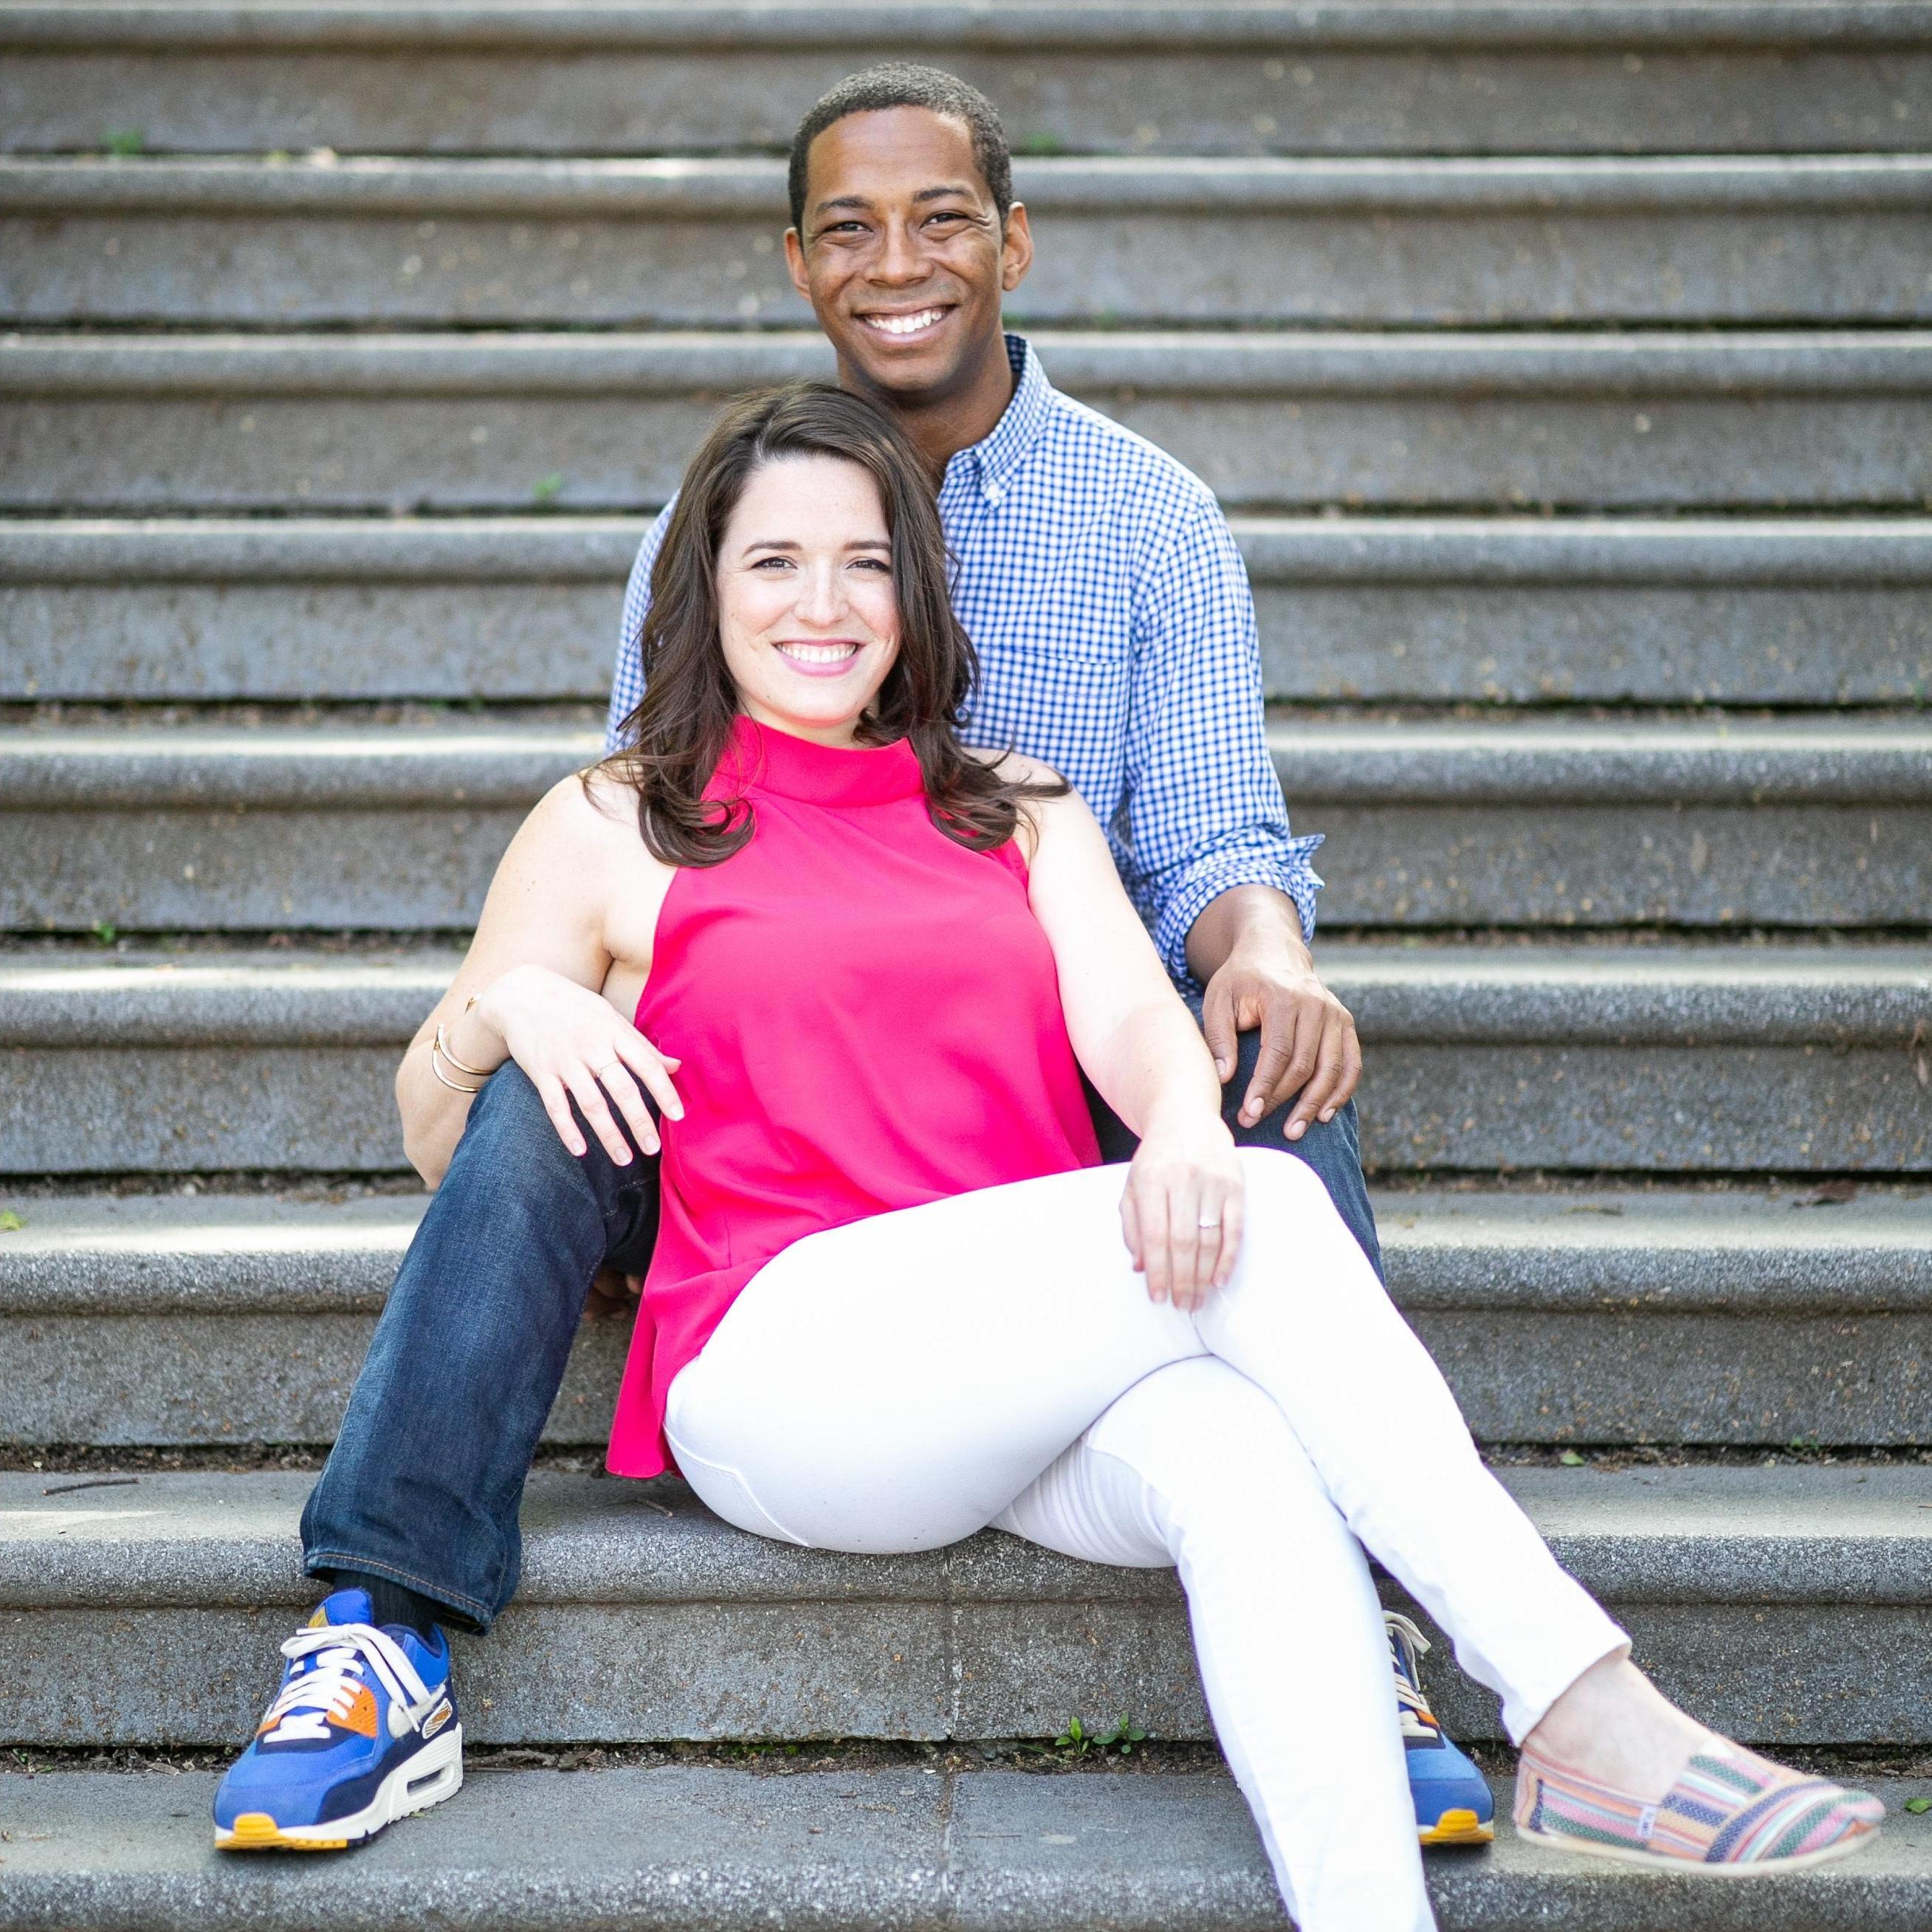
(427,1476)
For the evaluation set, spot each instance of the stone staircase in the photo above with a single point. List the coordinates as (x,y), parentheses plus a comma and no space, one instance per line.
(1567,370)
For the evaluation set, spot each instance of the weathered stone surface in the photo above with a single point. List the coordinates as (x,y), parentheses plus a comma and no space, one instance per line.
(1811,822)
(1795,610)
(1653,1059)
(1348,79)
(1753,1317)
(603,421)
(1777,1602)
(684,243)
(1666,864)
(714,1849)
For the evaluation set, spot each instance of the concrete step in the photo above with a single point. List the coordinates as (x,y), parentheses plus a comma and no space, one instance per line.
(379,828)
(1650,1058)
(1782,1604)
(920,1850)
(1757,1317)
(694,243)
(1804,821)
(1790,611)
(1775,75)
(456,422)
(1815,822)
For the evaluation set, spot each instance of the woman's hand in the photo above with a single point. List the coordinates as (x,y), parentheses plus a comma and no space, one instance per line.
(575,1045)
(1181,1212)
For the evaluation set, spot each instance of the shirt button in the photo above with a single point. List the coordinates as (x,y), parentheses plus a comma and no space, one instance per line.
(996,493)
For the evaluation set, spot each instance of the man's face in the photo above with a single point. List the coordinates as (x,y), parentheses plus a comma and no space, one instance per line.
(901,255)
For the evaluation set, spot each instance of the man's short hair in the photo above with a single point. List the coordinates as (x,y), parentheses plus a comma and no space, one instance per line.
(905,84)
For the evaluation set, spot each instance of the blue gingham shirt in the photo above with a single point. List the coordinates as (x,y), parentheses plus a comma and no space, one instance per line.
(1100,584)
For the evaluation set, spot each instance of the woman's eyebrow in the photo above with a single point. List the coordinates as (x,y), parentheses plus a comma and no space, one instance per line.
(791,543)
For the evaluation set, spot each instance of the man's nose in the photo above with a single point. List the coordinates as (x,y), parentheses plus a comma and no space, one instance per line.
(900,261)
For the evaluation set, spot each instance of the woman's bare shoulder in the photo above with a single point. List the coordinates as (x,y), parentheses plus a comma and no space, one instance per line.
(588,824)
(1015,767)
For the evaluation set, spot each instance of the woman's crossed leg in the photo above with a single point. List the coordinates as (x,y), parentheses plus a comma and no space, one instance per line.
(900,1382)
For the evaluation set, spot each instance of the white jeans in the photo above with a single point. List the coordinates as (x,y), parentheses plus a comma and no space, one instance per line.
(901,1382)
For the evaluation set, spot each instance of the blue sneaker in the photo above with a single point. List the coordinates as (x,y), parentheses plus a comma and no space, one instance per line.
(364,1731)
(1453,1803)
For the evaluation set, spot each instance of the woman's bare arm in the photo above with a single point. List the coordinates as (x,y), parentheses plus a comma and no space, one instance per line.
(1137,1041)
(576,894)
(1181,1213)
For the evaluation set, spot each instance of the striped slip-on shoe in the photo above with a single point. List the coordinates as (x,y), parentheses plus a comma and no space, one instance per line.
(1731,1814)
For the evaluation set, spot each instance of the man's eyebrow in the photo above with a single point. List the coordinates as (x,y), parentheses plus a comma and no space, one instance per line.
(865,201)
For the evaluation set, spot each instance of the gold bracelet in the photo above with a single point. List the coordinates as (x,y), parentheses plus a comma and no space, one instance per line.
(435,1067)
(441,1045)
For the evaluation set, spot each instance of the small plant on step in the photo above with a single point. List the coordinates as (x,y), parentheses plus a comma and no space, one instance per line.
(1076,1741)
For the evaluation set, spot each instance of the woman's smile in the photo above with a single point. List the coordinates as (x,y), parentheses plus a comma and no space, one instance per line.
(830,657)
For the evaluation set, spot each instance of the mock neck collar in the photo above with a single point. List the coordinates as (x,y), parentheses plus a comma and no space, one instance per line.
(759,757)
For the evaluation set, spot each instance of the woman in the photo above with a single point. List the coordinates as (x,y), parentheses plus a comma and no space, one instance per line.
(894,1299)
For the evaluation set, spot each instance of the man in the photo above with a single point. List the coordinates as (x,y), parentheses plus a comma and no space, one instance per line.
(1103,589)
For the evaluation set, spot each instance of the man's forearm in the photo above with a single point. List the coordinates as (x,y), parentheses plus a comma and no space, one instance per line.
(1244,915)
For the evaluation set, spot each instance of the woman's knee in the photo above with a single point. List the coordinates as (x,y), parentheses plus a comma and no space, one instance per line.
(1203,1437)
(1286,1211)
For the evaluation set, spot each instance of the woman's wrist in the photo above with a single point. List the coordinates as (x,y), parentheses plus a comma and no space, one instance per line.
(1184,1116)
(475,1036)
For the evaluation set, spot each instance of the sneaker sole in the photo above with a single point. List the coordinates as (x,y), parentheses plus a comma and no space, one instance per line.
(433,1774)
(1459,1827)
(1697,1868)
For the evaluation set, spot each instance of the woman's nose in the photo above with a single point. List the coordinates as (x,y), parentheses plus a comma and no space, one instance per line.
(821,596)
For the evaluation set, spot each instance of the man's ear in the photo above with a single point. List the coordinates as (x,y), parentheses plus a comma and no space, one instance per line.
(1016,248)
(795,262)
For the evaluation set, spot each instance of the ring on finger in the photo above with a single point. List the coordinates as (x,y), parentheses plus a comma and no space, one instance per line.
(607,1066)
(1214,1223)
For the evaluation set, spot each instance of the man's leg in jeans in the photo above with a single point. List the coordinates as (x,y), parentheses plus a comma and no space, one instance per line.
(1332,1147)
(423,1484)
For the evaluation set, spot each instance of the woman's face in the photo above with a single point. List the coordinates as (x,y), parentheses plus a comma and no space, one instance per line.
(807,612)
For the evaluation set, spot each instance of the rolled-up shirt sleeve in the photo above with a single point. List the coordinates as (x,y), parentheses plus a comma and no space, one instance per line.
(627,679)
(1203,810)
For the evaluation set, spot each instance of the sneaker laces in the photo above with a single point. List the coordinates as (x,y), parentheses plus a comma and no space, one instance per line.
(310,1700)
(1407,1648)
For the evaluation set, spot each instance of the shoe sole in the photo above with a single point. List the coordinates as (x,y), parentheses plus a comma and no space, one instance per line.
(1459,1827)
(433,1774)
(1697,1868)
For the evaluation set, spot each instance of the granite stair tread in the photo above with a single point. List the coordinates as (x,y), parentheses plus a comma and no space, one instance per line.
(1766,1249)
(910,1848)
(1789,610)
(1782,1603)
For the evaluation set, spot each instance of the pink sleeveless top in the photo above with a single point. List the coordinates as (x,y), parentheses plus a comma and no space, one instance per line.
(868,1016)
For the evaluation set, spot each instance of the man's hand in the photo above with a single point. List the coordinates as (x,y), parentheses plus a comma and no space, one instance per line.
(613,1295)
(1260,974)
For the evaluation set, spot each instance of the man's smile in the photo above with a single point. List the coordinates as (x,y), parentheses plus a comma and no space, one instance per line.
(902,325)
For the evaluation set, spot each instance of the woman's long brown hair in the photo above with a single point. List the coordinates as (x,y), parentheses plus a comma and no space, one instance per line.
(674,738)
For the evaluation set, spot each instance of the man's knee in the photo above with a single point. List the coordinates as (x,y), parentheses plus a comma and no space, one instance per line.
(508,1114)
